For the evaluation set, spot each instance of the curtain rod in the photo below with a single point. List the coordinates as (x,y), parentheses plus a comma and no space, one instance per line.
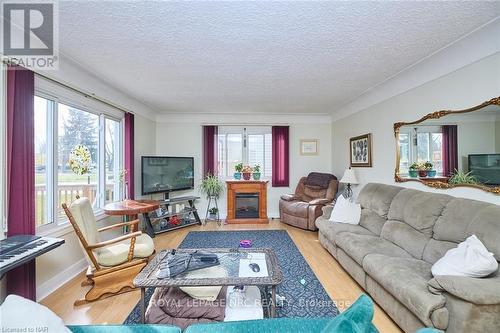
(86,95)
(6,61)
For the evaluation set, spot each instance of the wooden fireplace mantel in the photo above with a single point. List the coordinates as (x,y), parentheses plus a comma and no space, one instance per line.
(246,186)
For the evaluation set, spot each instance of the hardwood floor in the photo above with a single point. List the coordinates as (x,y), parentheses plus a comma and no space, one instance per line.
(337,283)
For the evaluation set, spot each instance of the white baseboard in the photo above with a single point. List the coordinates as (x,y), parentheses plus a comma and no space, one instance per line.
(48,287)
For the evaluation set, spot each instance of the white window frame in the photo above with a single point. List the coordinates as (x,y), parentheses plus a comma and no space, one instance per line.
(412,132)
(245,131)
(57,94)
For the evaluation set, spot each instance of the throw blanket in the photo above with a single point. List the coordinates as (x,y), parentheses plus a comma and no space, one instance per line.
(174,307)
(319,179)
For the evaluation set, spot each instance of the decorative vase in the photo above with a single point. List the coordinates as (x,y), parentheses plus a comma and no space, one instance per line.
(247,175)
(431,173)
(422,173)
(237,175)
(256,175)
(413,173)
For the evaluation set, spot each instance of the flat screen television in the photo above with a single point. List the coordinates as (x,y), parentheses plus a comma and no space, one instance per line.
(164,174)
(486,168)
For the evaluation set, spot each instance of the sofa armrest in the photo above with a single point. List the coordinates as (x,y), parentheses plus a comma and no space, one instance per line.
(327,211)
(290,197)
(319,202)
(481,291)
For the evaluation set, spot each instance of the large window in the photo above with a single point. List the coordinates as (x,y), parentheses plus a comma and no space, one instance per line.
(420,145)
(59,128)
(248,145)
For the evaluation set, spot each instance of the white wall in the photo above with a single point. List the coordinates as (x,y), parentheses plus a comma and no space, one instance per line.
(474,138)
(466,87)
(182,136)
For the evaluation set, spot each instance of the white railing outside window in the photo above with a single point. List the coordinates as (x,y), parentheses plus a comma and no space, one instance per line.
(59,127)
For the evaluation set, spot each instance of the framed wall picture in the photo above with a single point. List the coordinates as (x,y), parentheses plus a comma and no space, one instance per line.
(360,148)
(309,147)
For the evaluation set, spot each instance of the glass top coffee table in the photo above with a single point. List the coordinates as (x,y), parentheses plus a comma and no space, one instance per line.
(237,268)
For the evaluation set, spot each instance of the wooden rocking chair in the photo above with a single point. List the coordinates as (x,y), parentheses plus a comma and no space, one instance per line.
(113,264)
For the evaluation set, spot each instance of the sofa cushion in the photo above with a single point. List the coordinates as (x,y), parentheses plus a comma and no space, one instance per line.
(330,229)
(436,249)
(378,197)
(372,221)
(418,209)
(358,246)
(406,279)
(486,226)
(406,237)
(453,223)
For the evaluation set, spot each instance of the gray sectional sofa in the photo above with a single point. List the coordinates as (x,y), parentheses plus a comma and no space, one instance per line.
(402,232)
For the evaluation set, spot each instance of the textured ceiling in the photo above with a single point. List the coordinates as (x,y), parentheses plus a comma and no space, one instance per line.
(262,57)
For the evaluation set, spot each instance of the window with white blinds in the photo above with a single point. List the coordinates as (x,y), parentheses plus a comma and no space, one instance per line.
(250,145)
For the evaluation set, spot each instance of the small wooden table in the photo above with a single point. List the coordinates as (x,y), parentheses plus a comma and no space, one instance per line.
(133,207)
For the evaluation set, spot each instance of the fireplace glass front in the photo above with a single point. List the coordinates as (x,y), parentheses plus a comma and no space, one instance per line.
(247,205)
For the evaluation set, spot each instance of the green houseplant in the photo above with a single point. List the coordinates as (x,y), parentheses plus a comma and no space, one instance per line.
(213,212)
(431,172)
(211,186)
(238,168)
(462,177)
(412,171)
(256,172)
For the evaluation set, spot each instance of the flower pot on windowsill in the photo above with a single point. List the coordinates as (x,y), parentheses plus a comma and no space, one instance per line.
(247,175)
(413,173)
(422,173)
(237,175)
(431,173)
(256,175)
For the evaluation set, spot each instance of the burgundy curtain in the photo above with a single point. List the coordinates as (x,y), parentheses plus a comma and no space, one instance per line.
(450,149)
(210,161)
(280,156)
(129,153)
(21,172)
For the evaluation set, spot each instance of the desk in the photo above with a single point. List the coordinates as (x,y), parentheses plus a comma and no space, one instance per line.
(134,207)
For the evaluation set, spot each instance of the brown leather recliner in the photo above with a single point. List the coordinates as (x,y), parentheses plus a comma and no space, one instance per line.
(303,207)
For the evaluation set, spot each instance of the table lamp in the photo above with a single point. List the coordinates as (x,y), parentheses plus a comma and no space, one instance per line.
(349,178)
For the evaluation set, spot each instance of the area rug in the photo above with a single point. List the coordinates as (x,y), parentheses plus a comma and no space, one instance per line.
(304,294)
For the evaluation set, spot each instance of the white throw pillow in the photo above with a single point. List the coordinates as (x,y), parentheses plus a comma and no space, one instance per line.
(19,314)
(346,211)
(470,258)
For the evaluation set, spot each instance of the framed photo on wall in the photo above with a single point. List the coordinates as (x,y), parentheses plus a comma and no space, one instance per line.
(309,147)
(360,148)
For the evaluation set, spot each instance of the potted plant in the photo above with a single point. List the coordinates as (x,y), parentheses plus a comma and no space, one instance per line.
(213,213)
(211,186)
(247,172)
(413,170)
(461,177)
(256,172)
(430,169)
(238,168)
(422,170)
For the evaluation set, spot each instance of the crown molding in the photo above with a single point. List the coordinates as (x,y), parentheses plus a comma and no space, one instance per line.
(244,118)
(478,44)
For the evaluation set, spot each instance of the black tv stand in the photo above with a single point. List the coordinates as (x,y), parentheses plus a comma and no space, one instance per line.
(160,223)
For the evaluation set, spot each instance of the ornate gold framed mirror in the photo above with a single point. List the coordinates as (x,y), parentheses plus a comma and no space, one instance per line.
(451,148)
